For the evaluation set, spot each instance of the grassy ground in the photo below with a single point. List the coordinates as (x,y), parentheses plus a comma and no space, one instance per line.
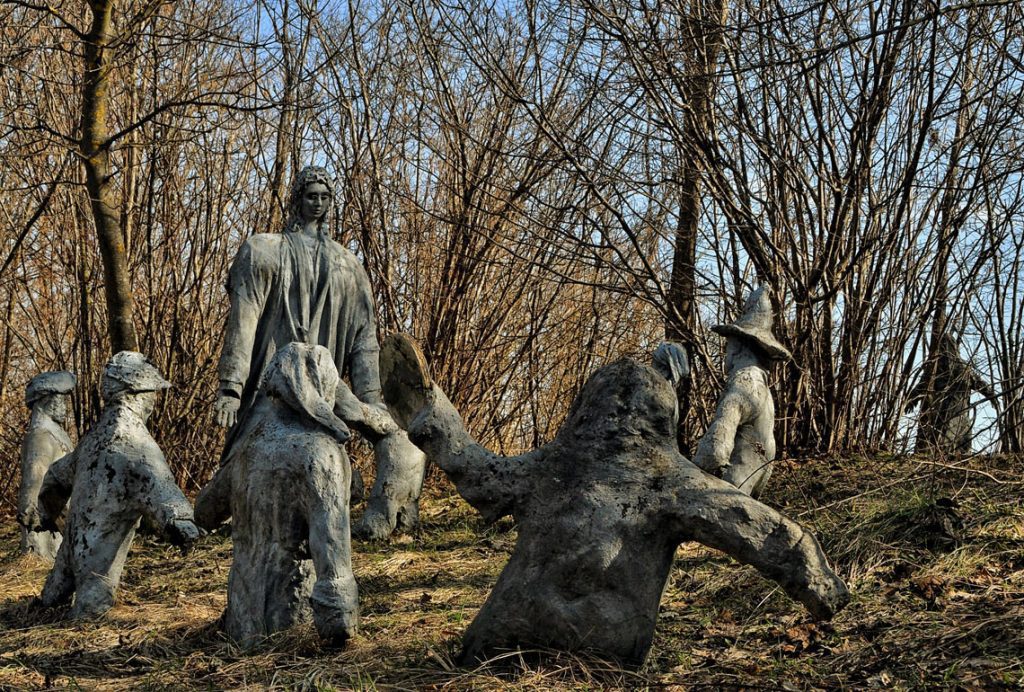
(933,554)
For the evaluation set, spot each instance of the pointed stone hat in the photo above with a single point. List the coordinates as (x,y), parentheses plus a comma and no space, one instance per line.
(755,325)
(132,372)
(47,384)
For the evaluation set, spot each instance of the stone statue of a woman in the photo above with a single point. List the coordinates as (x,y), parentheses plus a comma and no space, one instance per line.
(303,286)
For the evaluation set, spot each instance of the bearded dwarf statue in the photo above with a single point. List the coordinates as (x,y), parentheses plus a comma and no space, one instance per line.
(45,442)
(115,476)
(600,512)
(287,487)
(739,445)
(302,286)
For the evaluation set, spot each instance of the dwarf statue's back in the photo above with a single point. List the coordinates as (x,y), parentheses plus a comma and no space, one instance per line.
(115,476)
(45,442)
(739,445)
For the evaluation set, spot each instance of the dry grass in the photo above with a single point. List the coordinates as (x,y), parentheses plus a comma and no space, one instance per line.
(935,557)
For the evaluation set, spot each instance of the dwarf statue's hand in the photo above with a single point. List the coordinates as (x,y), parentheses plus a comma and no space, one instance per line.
(379,417)
(347,405)
(183,533)
(226,410)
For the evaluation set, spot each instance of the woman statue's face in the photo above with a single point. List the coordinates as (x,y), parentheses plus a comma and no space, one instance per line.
(315,200)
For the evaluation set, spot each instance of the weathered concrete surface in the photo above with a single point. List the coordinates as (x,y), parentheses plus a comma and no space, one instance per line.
(739,444)
(302,286)
(600,512)
(44,443)
(287,487)
(114,477)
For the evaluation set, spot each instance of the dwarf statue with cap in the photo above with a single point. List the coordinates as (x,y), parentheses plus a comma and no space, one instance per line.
(739,445)
(600,511)
(115,476)
(286,487)
(45,442)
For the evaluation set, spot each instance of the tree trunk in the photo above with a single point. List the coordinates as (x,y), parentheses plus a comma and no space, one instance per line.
(706,36)
(95,152)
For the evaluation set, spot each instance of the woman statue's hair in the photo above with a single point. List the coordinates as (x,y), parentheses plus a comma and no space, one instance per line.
(307,176)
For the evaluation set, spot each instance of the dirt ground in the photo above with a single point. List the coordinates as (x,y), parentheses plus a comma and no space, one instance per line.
(933,552)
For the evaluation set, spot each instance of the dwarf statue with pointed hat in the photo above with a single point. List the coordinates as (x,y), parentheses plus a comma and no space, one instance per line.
(45,442)
(739,445)
(286,488)
(600,511)
(115,476)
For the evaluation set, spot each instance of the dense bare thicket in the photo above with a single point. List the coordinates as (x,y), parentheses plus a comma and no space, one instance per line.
(534,191)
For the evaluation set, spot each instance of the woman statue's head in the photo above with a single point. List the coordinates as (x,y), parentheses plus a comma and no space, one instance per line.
(311,197)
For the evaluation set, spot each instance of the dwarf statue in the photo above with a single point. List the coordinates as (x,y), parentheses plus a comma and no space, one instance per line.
(115,476)
(45,442)
(739,445)
(600,511)
(286,484)
(944,391)
(670,360)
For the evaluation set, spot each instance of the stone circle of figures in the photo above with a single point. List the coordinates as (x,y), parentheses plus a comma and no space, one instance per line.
(600,510)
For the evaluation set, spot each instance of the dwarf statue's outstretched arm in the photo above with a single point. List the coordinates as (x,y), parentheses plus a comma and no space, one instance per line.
(713,512)
(161,499)
(489,482)
(213,503)
(371,420)
(715,448)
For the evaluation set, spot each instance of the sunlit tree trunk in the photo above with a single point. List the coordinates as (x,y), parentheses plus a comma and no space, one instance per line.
(95,152)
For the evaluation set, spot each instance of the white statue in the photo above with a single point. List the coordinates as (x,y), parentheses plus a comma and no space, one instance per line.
(115,476)
(45,442)
(739,445)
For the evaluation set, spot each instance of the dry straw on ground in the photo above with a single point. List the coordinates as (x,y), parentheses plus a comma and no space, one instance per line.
(935,557)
